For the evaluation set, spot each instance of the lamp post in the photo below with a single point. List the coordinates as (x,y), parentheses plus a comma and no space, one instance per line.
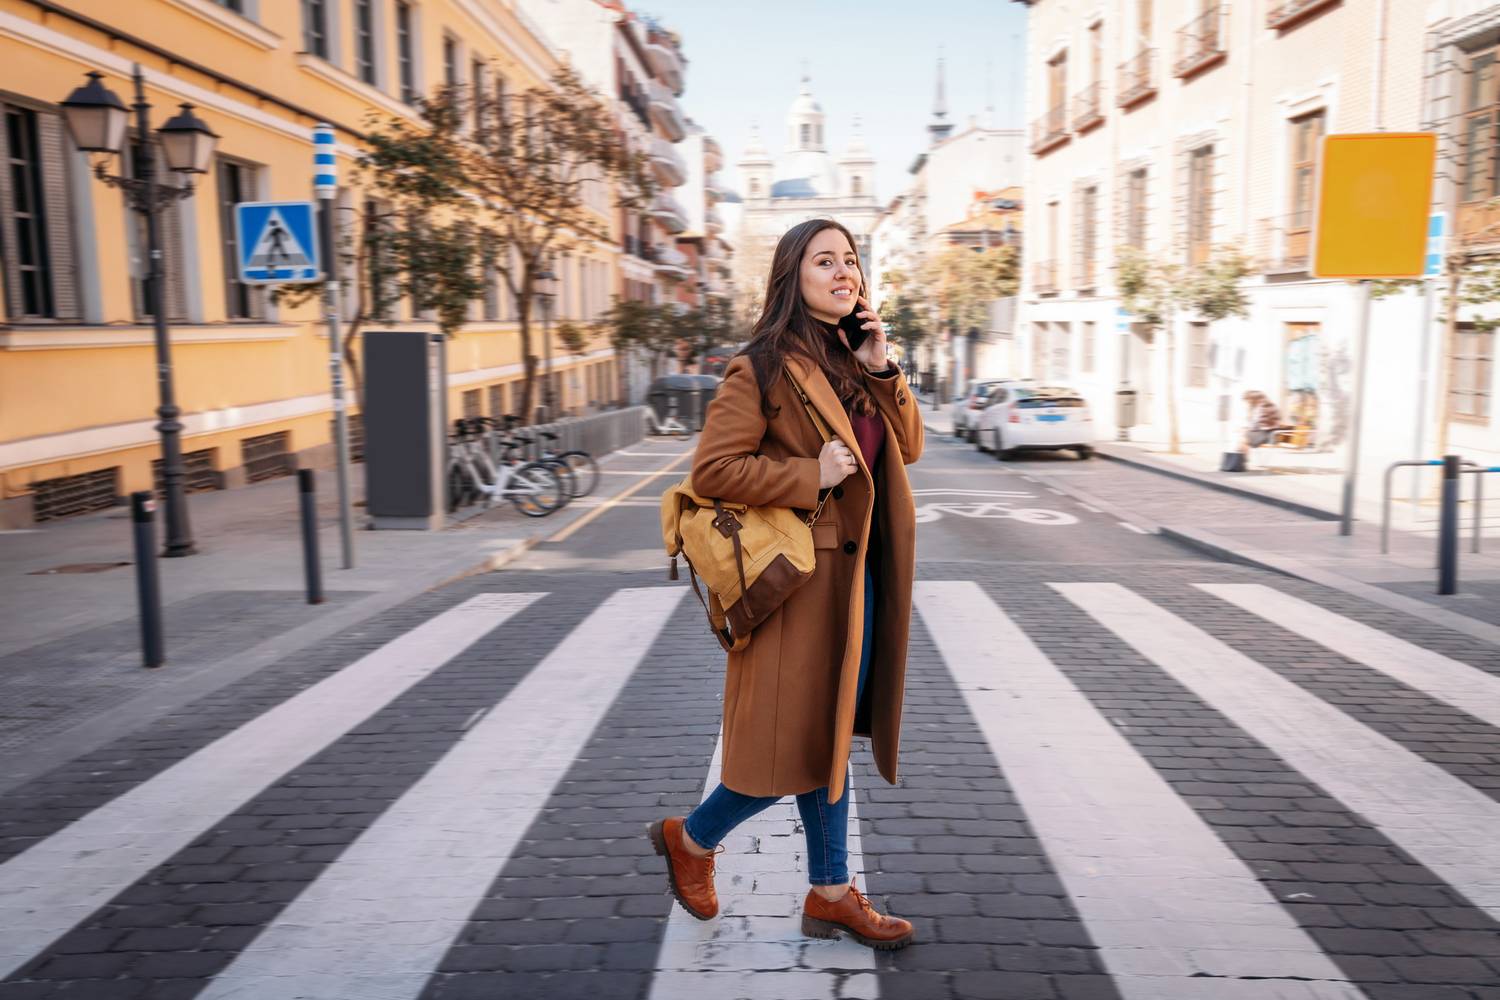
(97,121)
(545,288)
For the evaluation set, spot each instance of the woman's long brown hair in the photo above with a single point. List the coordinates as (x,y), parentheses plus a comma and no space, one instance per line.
(786,327)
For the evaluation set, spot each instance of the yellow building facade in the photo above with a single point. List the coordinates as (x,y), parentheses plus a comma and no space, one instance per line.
(78,388)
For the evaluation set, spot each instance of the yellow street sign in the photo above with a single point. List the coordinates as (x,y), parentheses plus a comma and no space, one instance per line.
(1374,196)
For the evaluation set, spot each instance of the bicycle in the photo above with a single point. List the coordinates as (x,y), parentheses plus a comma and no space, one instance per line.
(582,470)
(532,488)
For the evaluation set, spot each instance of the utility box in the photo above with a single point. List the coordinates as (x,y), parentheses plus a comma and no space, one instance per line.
(406,429)
(1125,408)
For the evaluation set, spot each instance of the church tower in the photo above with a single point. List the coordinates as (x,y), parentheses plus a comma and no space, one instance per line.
(804,123)
(857,167)
(940,128)
(755,168)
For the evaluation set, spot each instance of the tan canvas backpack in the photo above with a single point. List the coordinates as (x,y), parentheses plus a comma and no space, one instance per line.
(750,558)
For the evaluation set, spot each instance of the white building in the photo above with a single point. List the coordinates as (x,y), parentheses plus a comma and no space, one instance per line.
(1178,126)
(804,182)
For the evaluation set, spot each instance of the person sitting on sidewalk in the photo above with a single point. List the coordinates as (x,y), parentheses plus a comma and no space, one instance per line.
(1262,421)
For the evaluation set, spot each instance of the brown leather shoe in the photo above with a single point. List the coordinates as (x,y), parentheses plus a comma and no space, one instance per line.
(853,915)
(691,877)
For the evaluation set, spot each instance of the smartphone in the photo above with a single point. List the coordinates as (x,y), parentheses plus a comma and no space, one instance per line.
(852,326)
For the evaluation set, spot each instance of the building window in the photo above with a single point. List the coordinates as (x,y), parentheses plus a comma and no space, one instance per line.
(1088,236)
(168,241)
(1481,114)
(450,60)
(858,186)
(27,252)
(471,403)
(1200,203)
(1306,131)
(237,183)
(1086,360)
(1057,82)
(754,188)
(1135,209)
(476,94)
(405,46)
(364,39)
(238,6)
(1472,357)
(1096,52)
(806,135)
(315,27)
(1062,337)
(1198,355)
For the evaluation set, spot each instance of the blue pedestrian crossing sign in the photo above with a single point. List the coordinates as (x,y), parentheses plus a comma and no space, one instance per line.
(277,242)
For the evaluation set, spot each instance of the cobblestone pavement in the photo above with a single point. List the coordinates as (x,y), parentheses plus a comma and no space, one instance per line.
(1127,772)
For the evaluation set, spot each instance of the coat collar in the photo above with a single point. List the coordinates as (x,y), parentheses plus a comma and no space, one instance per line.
(820,393)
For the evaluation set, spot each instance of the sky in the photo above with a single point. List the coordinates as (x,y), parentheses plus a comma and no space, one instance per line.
(874,59)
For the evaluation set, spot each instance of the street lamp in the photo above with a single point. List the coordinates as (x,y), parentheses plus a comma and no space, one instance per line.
(544,287)
(97,121)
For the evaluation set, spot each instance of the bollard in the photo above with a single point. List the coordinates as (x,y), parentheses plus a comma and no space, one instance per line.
(1448,529)
(147,583)
(310,564)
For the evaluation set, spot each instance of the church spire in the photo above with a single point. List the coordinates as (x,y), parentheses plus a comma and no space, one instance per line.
(939,128)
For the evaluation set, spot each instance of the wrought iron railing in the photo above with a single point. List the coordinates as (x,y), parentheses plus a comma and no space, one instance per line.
(1201,43)
(1137,78)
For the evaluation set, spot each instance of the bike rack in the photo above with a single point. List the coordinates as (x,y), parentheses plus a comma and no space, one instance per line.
(1385,498)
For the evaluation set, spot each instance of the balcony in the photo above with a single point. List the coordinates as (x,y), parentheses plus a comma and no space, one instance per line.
(1200,44)
(666,211)
(672,264)
(670,167)
(714,189)
(1288,14)
(1087,110)
(1284,243)
(1137,80)
(713,155)
(1050,130)
(1044,277)
(666,64)
(666,112)
(713,222)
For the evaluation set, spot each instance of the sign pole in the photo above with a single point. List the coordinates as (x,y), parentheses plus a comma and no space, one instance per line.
(325,186)
(1362,354)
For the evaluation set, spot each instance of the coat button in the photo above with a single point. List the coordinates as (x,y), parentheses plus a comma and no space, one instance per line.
(900,399)
(838,493)
(849,547)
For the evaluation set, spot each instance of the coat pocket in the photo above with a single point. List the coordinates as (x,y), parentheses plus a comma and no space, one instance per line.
(825,536)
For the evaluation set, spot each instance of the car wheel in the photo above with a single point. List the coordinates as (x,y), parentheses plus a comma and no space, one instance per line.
(979,437)
(1001,452)
(973,435)
(1084,452)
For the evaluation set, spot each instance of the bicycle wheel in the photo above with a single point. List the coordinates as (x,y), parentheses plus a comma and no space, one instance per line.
(535,490)
(461,492)
(585,471)
(564,476)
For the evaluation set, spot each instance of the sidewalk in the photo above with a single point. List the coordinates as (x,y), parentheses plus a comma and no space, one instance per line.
(70,651)
(1290,525)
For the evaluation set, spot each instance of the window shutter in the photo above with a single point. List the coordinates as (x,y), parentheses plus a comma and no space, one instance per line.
(169,233)
(10,273)
(55,153)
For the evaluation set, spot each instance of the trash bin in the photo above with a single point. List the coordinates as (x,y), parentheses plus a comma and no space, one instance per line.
(1125,408)
(679,392)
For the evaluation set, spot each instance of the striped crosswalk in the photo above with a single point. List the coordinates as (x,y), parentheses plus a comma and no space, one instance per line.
(1170,907)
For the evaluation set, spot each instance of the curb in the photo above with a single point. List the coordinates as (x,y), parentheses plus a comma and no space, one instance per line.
(1198,479)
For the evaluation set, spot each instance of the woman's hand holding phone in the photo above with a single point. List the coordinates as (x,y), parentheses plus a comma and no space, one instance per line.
(864,334)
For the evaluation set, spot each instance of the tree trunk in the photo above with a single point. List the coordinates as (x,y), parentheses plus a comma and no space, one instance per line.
(1174,441)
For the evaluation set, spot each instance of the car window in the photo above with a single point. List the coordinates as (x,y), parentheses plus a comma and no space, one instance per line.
(998,396)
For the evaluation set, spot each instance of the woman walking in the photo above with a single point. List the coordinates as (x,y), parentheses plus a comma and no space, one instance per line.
(831,662)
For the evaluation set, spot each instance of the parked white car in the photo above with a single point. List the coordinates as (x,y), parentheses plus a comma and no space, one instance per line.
(1028,417)
(966,408)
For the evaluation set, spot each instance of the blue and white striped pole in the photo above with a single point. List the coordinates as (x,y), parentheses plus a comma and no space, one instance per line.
(326,188)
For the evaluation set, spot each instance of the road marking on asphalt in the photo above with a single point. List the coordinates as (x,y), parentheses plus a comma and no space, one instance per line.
(994,510)
(619,498)
(1134,527)
(1443,822)
(1466,688)
(1172,910)
(378,921)
(50,887)
(1090,507)
(755,947)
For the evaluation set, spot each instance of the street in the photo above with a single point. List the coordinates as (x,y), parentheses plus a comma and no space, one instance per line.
(1128,771)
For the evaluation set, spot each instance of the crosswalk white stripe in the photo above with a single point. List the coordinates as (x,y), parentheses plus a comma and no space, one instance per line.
(1444,823)
(377,922)
(1173,911)
(755,946)
(1466,688)
(59,881)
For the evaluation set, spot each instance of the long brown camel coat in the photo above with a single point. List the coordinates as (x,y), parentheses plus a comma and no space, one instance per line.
(789,711)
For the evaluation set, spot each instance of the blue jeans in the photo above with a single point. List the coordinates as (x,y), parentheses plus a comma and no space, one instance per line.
(826,825)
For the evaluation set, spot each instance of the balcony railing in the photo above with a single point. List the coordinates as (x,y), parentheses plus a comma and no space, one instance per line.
(1050,130)
(666,63)
(1285,15)
(1200,44)
(667,211)
(1044,277)
(1284,244)
(672,263)
(713,154)
(666,112)
(671,168)
(1137,79)
(1087,109)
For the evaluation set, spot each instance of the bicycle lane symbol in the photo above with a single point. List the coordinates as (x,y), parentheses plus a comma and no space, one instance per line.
(990,510)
